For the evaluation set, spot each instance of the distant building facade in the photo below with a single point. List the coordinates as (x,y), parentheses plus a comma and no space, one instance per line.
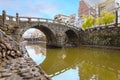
(65,19)
(85,9)
(110,6)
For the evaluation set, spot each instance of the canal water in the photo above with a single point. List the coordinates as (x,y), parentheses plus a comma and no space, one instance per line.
(77,63)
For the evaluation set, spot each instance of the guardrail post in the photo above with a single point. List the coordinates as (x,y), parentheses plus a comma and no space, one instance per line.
(29,19)
(46,20)
(3,17)
(53,21)
(10,18)
(38,19)
(17,18)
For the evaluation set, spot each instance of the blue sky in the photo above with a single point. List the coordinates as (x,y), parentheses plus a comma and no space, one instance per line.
(42,8)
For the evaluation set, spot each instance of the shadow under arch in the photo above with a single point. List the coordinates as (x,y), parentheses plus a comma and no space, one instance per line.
(72,39)
(51,39)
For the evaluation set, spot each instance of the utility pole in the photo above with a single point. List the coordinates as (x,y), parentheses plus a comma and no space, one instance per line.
(98,10)
(99,13)
(116,20)
(116,13)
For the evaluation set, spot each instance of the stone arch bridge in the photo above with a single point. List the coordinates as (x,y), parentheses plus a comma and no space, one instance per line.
(57,34)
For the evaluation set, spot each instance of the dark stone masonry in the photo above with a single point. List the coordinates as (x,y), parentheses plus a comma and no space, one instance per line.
(106,36)
(15,63)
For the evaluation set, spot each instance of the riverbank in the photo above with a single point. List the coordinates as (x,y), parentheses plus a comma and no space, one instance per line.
(106,36)
(21,69)
(15,63)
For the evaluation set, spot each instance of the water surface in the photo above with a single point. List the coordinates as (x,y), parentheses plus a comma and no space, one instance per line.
(78,63)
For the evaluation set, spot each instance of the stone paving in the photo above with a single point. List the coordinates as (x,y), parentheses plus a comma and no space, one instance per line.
(15,63)
(21,69)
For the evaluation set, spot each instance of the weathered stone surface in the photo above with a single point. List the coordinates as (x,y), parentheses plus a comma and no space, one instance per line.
(8,45)
(23,71)
(19,54)
(3,70)
(8,52)
(109,36)
(2,79)
(16,64)
(27,75)
(4,53)
(37,74)
(2,46)
(12,53)
(15,77)
(0,55)
(6,74)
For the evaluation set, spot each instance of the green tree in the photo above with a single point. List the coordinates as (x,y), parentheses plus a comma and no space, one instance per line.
(106,17)
(88,22)
(98,21)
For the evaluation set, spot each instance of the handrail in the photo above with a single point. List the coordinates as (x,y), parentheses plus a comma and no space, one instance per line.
(10,16)
(41,20)
(36,18)
(30,19)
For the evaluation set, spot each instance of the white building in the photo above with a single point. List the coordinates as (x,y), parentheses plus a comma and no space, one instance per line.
(107,5)
(110,6)
(78,22)
(65,19)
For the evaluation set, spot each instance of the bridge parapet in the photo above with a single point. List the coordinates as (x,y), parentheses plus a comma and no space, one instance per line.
(58,34)
(15,20)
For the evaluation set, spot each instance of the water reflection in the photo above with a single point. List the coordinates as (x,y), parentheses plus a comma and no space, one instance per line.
(68,74)
(92,64)
(37,52)
(77,63)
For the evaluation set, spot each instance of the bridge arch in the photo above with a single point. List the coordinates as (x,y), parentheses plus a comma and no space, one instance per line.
(51,39)
(72,39)
(50,36)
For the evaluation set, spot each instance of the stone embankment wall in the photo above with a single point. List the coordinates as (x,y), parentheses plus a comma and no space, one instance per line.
(101,36)
(15,63)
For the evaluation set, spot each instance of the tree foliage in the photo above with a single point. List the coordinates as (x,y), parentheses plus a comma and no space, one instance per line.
(105,18)
(98,21)
(88,23)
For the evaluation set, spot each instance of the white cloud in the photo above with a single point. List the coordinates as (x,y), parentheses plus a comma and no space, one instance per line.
(29,8)
(40,8)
